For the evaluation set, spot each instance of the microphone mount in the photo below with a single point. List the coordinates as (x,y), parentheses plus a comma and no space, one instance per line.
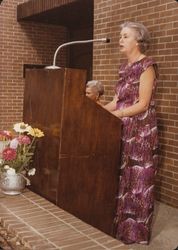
(104,40)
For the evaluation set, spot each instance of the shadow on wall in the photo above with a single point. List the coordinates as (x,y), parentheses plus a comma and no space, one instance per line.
(40,42)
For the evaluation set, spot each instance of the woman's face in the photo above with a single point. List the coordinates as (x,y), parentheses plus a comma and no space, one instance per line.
(91,94)
(128,40)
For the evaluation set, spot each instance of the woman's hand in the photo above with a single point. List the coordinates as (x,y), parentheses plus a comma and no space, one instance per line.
(111,106)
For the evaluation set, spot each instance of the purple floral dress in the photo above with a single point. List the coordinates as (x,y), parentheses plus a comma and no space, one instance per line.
(139,159)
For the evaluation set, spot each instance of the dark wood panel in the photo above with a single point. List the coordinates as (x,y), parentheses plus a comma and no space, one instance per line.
(42,97)
(78,160)
(34,7)
(90,190)
(68,13)
(89,158)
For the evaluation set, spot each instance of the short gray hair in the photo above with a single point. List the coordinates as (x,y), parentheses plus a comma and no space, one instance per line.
(97,85)
(142,34)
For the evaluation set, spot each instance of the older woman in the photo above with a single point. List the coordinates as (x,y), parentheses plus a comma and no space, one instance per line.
(134,104)
(94,90)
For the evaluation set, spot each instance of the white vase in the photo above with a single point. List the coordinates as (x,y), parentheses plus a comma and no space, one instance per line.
(12,184)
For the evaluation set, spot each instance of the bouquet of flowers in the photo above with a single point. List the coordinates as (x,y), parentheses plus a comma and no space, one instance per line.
(17,148)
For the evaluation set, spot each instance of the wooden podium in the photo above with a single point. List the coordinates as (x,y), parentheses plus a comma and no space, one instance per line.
(77,161)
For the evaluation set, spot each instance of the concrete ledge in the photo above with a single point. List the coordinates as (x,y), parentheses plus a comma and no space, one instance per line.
(39,224)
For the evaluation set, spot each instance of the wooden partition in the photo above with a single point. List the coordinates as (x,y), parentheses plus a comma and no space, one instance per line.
(77,161)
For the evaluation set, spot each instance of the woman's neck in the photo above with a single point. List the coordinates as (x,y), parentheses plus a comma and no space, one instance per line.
(135,57)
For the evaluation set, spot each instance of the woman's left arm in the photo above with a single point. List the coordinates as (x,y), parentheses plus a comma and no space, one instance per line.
(145,93)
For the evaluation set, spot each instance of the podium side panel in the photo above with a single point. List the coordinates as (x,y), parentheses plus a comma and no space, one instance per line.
(89,159)
(43,102)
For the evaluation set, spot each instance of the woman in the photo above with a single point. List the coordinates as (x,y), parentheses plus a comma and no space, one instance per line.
(133,103)
(94,90)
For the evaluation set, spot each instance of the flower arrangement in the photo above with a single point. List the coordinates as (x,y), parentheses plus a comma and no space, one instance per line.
(17,149)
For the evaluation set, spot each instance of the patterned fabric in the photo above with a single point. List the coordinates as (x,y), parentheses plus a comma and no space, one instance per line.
(139,159)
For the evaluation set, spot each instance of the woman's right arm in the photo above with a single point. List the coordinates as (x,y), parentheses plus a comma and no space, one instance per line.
(111,106)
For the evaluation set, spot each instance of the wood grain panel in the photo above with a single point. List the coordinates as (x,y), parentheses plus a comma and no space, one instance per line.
(78,160)
(68,13)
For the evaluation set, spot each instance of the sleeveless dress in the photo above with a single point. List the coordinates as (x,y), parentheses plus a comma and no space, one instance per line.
(138,160)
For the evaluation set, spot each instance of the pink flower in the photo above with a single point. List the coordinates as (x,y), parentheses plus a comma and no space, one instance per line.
(9,154)
(24,139)
(5,135)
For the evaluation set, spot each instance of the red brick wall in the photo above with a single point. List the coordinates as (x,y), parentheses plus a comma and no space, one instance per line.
(161,19)
(22,43)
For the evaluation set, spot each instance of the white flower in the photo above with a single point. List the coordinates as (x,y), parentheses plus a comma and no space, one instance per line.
(14,143)
(32,171)
(11,171)
(21,127)
(6,167)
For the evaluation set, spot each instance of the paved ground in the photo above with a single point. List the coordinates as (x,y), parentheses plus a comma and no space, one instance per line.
(40,225)
(164,235)
(165,229)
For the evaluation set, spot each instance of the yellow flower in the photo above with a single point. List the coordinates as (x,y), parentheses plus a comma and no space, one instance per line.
(35,132)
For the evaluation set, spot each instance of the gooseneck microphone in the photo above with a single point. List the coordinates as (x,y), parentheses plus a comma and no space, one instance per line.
(104,40)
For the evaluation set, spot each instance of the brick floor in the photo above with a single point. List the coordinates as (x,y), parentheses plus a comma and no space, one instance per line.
(41,225)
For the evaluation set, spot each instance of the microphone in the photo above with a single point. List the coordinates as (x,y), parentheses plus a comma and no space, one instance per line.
(107,40)
(104,40)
